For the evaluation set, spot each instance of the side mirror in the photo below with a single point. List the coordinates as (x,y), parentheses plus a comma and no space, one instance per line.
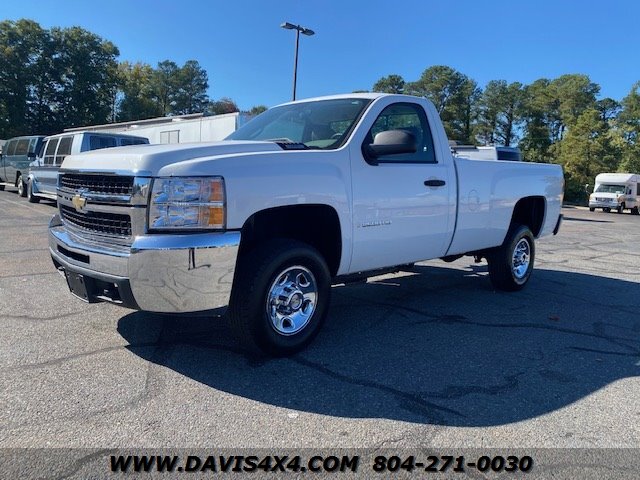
(392,142)
(31,155)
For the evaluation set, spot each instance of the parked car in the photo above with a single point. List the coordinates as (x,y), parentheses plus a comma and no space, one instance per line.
(43,171)
(16,155)
(309,193)
(616,191)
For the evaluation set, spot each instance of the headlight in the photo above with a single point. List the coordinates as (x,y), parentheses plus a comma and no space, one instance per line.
(187,203)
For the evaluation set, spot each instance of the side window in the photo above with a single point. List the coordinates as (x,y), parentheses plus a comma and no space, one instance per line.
(411,118)
(64,149)
(98,143)
(22,147)
(11,148)
(50,151)
(131,141)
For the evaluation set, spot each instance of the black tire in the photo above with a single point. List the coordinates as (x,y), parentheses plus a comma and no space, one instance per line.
(635,211)
(256,281)
(592,209)
(1,188)
(20,185)
(30,196)
(606,209)
(621,208)
(502,260)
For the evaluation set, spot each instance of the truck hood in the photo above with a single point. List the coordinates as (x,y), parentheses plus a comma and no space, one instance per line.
(147,160)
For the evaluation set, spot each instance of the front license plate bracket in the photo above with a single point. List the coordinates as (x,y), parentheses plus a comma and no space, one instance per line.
(80,286)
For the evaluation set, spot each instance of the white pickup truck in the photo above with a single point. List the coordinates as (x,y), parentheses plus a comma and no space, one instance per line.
(306,195)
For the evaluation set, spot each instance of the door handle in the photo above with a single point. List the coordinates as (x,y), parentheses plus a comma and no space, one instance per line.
(434,183)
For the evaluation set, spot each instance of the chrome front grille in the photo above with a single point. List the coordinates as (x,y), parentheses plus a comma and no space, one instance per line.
(101,223)
(103,208)
(98,184)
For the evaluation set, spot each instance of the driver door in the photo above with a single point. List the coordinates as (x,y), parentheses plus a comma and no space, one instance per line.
(403,205)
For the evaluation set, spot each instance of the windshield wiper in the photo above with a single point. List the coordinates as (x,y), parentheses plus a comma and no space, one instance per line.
(293,146)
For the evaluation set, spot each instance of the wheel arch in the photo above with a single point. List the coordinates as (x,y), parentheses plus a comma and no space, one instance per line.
(530,211)
(317,225)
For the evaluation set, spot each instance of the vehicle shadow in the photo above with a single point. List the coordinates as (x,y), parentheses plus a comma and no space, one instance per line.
(434,346)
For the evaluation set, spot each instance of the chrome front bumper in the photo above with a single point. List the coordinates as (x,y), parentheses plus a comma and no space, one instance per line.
(600,204)
(159,273)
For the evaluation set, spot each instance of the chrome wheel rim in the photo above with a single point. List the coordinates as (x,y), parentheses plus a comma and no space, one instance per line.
(521,259)
(20,186)
(291,300)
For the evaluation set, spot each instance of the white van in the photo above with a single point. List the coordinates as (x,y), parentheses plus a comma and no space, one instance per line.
(616,191)
(43,172)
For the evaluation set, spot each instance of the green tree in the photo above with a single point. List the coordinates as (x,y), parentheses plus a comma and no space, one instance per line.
(500,112)
(257,109)
(629,128)
(224,105)
(191,92)
(21,46)
(88,76)
(136,87)
(574,94)
(608,108)
(538,114)
(586,150)
(489,111)
(455,97)
(390,84)
(165,86)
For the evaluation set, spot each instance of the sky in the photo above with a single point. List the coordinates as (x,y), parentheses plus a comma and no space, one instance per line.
(249,58)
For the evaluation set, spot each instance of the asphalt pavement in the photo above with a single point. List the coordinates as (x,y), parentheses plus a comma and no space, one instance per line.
(430,358)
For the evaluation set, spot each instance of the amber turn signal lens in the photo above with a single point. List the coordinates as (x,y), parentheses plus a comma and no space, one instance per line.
(216,216)
(217,191)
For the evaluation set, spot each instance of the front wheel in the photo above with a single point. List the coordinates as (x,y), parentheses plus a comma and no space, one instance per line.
(22,191)
(511,264)
(280,297)
(620,208)
(606,209)
(592,209)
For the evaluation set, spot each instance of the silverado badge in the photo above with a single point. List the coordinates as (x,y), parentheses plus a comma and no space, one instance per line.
(79,202)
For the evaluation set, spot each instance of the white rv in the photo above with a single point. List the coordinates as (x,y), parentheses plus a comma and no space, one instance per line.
(616,191)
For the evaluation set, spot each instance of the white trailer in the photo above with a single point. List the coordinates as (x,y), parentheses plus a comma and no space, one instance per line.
(179,129)
(616,191)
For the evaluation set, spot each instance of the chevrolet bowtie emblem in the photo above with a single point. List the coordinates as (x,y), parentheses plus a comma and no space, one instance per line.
(79,202)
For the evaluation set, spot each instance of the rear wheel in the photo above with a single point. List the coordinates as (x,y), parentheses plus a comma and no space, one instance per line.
(280,297)
(635,210)
(22,190)
(30,196)
(511,264)
(592,209)
(606,209)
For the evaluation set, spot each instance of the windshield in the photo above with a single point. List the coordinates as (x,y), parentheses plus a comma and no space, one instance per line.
(610,189)
(323,124)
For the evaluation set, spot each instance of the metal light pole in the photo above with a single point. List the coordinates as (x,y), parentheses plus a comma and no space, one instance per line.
(305,31)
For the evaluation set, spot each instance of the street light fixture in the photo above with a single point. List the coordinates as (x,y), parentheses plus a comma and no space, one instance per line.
(299,30)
